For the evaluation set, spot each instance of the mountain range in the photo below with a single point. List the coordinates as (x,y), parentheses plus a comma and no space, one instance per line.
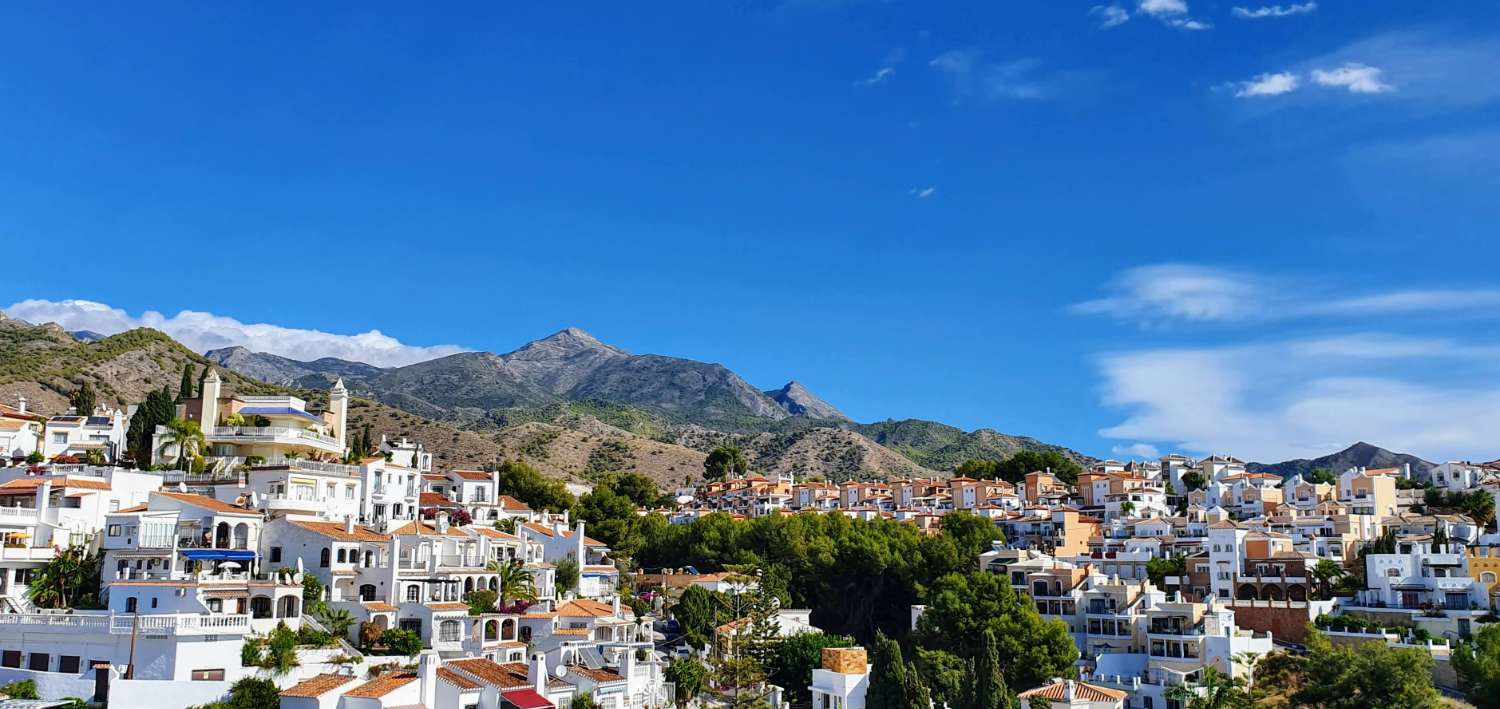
(570,404)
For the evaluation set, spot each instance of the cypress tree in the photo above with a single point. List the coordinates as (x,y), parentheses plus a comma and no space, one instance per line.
(889,685)
(990,691)
(83,400)
(185,390)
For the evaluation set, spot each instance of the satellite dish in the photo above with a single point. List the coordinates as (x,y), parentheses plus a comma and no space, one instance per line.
(684,499)
(560,671)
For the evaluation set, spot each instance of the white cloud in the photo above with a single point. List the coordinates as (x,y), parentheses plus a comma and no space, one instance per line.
(923,192)
(970,76)
(1271,84)
(1274,11)
(1137,450)
(1162,7)
(205,331)
(1357,78)
(1293,399)
(1110,15)
(1166,293)
(879,77)
(1187,23)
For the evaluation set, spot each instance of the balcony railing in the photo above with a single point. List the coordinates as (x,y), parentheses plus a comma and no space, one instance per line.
(11,514)
(272,434)
(162,624)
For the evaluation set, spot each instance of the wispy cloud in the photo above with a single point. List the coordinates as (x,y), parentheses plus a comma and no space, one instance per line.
(1271,84)
(971,76)
(1110,15)
(1357,78)
(1137,450)
(1268,11)
(1165,294)
(1285,400)
(879,77)
(1172,13)
(202,331)
(923,192)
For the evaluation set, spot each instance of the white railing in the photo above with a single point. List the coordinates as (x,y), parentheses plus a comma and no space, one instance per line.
(162,624)
(21,513)
(271,433)
(317,465)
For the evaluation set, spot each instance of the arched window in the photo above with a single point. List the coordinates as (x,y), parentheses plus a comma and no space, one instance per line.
(413,593)
(130,605)
(448,631)
(1487,577)
(367,592)
(343,556)
(323,558)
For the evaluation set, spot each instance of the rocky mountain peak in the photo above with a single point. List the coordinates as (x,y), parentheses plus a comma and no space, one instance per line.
(566,342)
(796,400)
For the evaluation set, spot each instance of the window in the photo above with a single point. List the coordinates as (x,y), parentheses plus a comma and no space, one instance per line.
(208,675)
(343,556)
(130,605)
(448,631)
(413,593)
(69,664)
(323,558)
(10,658)
(348,492)
(114,530)
(275,554)
(153,601)
(60,437)
(333,490)
(216,605)
(38,661)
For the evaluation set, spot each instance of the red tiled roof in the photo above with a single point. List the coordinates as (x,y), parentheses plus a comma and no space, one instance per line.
(315,686)
(456,679)
(208,503)
(476,475)
(334,530)
(382,685)
(1081,690)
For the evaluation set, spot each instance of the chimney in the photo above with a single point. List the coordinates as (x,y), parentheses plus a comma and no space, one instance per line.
(427,667)
(536,672)
(348,524)
(21,405)
(442,522)
(627,662)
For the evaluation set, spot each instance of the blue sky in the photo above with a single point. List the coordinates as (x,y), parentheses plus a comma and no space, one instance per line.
(1260,229)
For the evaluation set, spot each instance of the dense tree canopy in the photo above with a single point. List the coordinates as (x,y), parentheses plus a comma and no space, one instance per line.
(855,575)
(723,462)
(796,657)
(962,608)
(524,483)
(1017,466)
(1478,666)
(1372,675)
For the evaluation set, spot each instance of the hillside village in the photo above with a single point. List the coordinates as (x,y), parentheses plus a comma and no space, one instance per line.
(197,540)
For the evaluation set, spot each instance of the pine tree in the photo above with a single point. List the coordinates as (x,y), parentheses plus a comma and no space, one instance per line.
(185,390)
(83,400)
(990,691)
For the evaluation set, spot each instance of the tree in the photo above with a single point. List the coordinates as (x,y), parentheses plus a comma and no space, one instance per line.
(337,620)
(686,675)
(480,601)
(1193,480)
(1479,505)
(515,582)
(1015,468)
(949,678)
(723,462)
(158,409)
(22,689)
(253,693)
(250,653)
(1322,476)
(962,607)
(186,438)
(1478,665)
(83,399)
(312,594)
(524,483)
(990,691)
(1158,569)
(582,701)
(401,642)
(893,683)
(694,612)
(281,650)
(978,469)
(185,388)
(1372,675)
(65,580)
(1326,572)
(610,516)
(639,489)
(1214,690)
(796,657)
(567,574)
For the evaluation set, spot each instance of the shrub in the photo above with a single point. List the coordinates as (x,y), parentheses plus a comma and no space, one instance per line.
(398,641)
(369,634)
(250,653)
(24,689)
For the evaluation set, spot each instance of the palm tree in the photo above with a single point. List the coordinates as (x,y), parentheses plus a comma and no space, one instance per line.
(60,582)
(515,582)
(1220,691)
(337,620)
(1248,659)
(1126,508)
(1326,572)
(186,437)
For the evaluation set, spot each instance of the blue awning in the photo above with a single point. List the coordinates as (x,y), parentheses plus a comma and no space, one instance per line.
(219,554)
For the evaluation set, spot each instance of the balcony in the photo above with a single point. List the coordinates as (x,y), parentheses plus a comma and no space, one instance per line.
(18,515)
(242,435)
(1174,626)
(162,624)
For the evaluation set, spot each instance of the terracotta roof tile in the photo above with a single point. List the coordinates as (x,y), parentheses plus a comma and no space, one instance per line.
(334,530)
(382,685)
(457,679)
(208,503)
(511,675)
(316,686)
(475,475)
(1081,690)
